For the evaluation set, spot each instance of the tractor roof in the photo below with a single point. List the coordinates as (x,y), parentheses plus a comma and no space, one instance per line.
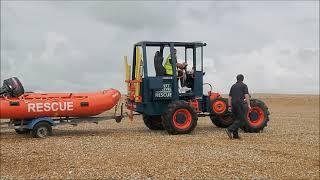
(176,44)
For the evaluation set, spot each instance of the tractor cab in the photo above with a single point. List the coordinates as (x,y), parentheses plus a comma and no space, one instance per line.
(161,88)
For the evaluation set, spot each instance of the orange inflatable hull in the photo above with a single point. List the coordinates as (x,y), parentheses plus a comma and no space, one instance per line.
(35,105)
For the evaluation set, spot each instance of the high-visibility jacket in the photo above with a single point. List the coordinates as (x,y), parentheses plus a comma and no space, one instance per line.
(168,66)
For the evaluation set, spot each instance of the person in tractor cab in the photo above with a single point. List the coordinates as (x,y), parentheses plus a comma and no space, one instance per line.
(168,64)
(190,78)
(238,92)
(169,71)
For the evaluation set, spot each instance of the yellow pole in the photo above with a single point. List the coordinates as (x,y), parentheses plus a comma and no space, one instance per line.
(137,75)
(127,66)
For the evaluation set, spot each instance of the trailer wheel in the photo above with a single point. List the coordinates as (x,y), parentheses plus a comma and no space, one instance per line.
(23,131)
(257,117)
(180,118)
(222,121)
(153,122)
(41,130)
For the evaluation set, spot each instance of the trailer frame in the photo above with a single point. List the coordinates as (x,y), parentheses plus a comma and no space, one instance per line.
(42,127)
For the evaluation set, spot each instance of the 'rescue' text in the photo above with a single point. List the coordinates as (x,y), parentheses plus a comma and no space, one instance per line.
(54,106)
(165,92)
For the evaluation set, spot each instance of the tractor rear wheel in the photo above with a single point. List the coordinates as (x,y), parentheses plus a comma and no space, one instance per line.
(180,118)
(222,121)
(153,122)
(257,117)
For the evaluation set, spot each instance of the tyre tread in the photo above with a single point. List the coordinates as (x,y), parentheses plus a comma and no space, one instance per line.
(261,104)
(167,121)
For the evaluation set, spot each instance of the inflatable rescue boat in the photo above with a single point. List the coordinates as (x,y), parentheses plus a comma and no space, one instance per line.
(18,105)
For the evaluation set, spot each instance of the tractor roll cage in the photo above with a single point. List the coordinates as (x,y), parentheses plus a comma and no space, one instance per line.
(145,44)
(198,73)
(178,44)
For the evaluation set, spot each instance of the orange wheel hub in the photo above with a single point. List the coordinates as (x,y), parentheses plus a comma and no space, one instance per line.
(182,118)
(255,116)
(219,106)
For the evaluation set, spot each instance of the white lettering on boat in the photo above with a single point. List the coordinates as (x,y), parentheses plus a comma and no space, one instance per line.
(39,107)
(70,106)
(55,106)
(31,107)
(46,107)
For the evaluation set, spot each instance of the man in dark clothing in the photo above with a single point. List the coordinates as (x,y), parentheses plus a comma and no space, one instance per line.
(238,92)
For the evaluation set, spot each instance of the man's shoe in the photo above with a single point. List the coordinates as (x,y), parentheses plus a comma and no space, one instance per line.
(229,133)
(236,135)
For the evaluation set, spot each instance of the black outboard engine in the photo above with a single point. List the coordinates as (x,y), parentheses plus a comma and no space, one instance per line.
(11,87)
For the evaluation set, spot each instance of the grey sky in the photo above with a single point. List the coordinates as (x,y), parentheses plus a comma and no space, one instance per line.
(79,45)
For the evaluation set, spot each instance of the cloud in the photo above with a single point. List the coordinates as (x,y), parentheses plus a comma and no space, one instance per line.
(275,68)
(79,46)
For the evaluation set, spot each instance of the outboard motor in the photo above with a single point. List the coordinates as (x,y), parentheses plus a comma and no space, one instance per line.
(11,87)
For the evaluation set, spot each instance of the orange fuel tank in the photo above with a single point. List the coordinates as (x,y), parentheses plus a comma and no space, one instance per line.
(35,105)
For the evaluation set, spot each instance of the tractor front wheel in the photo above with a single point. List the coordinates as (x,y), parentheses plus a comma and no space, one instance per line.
(180,118)
(218,106)
(153,122)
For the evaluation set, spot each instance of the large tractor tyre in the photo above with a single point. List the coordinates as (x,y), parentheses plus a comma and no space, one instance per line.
(222,121)
(257,117)
(153,122)
(180,118)
(218,106)
(41,130)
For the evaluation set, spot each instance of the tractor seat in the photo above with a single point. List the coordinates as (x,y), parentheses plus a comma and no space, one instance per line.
(187,94)
(158,60)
